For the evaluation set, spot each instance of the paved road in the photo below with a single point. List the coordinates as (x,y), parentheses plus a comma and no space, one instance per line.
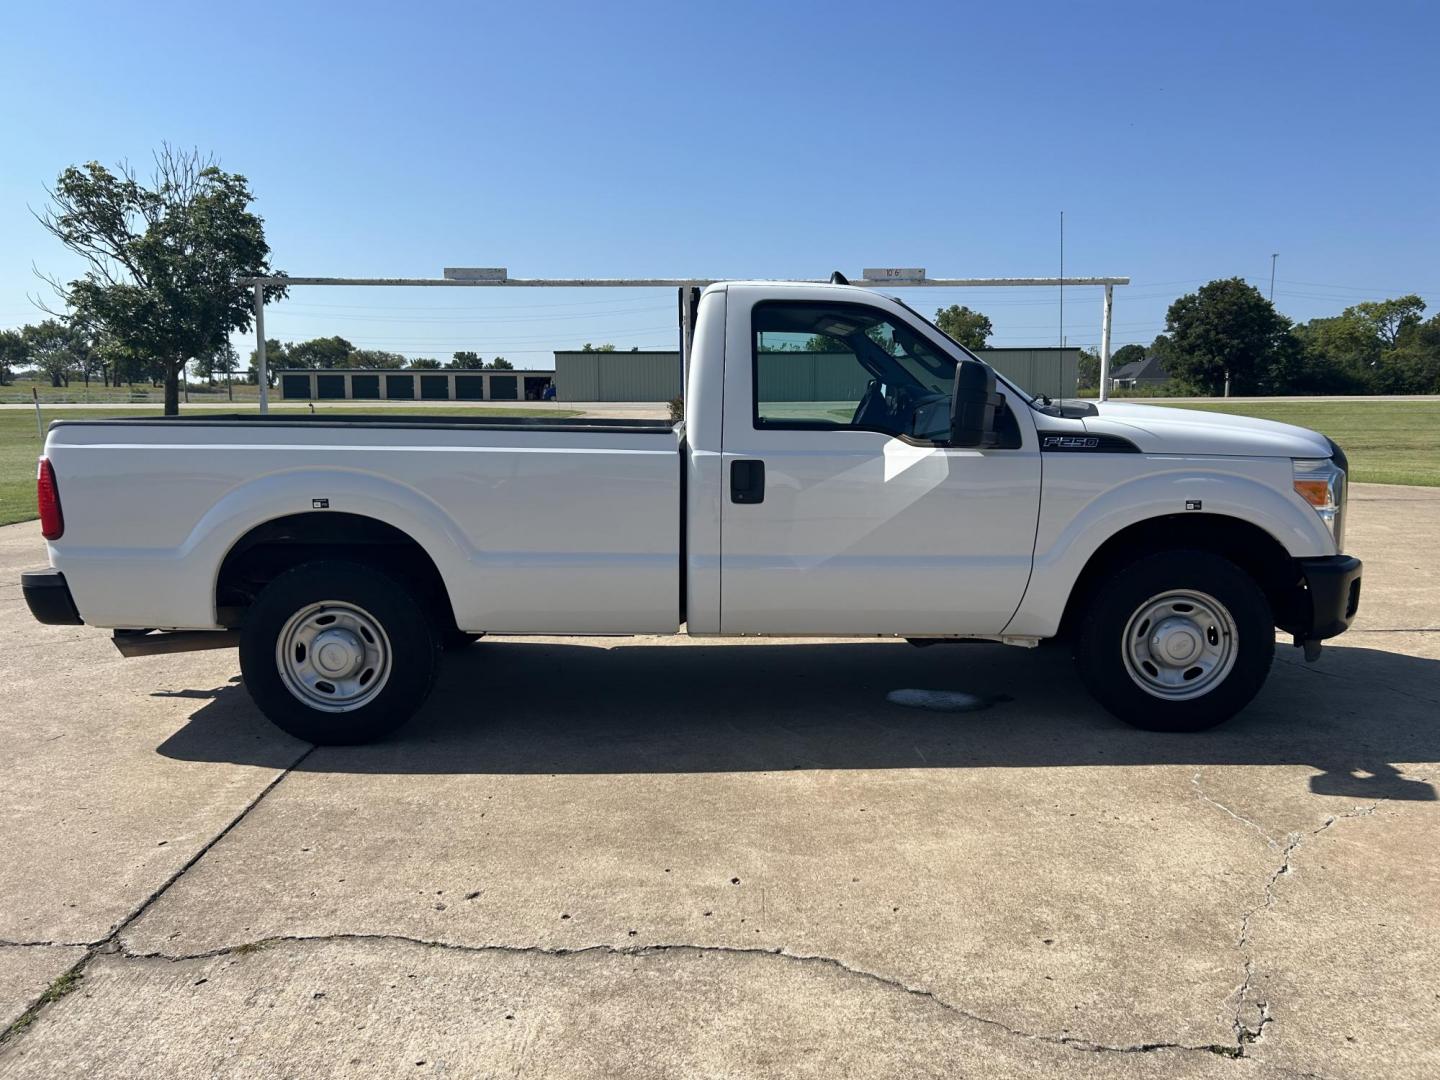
(659,858)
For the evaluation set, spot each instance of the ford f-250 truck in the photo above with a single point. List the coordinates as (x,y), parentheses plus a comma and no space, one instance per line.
(844,470)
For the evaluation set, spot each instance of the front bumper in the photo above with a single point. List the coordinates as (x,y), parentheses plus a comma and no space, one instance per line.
(48,597)
(1332,583)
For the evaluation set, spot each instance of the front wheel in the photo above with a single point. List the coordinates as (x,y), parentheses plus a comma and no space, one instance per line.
(1177,641)
(337,653)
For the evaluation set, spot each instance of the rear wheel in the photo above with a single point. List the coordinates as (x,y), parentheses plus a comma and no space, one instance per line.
(1178,641)
(337,652)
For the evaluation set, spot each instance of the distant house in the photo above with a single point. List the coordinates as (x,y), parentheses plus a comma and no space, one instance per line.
(1147,372)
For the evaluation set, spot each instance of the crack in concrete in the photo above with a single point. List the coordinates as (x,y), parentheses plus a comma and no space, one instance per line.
(1288,1071)
(71,977)
(1200,791)
(1250,1031)
(7,944)
(660,948)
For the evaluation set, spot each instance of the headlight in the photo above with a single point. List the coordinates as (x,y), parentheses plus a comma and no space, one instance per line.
(1321,483)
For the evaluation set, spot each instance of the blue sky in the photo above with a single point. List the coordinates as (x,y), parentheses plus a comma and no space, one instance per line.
(1183,142)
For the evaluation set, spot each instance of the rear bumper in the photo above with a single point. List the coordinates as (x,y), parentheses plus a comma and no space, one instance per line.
(48,597)
(1332,584)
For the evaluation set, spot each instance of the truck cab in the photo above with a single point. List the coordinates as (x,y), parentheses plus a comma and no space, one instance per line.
(826,491)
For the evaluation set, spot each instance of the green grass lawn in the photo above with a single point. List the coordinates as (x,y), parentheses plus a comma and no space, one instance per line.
(20,446)
(1387,442)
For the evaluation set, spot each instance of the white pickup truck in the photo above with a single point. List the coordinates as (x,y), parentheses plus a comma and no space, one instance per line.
(844,470)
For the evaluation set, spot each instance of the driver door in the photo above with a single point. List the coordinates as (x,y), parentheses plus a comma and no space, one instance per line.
(844,513)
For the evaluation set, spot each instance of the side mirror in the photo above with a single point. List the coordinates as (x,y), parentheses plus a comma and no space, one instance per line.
(973,405)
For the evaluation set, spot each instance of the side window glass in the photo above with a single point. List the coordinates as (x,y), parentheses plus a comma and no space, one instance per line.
(811,378)
(847,366)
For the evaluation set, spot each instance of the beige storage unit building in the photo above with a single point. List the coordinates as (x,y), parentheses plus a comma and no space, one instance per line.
(617,376)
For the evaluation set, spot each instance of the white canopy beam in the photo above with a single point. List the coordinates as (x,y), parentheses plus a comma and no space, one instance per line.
(652,283)
(501,281)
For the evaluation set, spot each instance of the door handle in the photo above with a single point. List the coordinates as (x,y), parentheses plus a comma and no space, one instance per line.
(747,481)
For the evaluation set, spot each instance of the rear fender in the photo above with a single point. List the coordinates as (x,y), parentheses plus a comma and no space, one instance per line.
(175,587)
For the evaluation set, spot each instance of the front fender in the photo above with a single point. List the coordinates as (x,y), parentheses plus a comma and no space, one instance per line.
(1089,498)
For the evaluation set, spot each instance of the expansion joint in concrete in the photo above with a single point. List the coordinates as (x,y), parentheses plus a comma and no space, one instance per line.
(71,977)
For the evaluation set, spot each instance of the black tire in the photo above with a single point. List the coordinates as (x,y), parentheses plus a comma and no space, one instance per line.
(413,651)
(1106,631)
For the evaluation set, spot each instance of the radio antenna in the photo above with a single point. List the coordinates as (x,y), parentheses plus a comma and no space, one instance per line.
(1062,279)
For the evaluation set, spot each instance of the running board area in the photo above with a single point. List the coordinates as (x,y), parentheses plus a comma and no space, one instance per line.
(156,642)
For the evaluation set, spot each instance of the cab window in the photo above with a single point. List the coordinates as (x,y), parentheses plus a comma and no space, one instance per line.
(838,366)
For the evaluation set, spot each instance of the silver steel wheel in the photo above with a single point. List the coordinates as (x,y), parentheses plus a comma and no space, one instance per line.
(1179,645)
(333,656)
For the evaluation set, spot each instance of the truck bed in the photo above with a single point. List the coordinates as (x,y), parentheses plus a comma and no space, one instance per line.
(535,525)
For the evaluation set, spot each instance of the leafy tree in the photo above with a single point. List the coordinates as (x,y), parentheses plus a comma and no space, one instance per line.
(1376,346)
(969,328)
(501,364)
(1227,329)
(128,365)
(376,359)
(221,361)
(1339,357)
(1415,361)
(424,363)
(822,343)
(1387,320)
(53,348)
(1126,354)
(85,342)
(165,258)
(277,356)
(13,354)
(466,359)
(328,352)
(597,348)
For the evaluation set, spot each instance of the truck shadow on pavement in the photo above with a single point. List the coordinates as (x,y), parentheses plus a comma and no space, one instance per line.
(502,707)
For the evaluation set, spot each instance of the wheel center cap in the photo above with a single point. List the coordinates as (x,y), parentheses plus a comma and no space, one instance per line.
(337,652)
(1175,641)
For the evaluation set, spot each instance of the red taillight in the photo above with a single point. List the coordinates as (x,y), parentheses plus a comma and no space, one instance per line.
(47,494)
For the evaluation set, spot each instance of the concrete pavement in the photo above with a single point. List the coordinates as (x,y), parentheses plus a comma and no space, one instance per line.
(658,857)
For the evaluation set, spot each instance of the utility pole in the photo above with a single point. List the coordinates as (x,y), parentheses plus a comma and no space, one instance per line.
(1272,276)
(1105,342)
(262,376)
(1062,284)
